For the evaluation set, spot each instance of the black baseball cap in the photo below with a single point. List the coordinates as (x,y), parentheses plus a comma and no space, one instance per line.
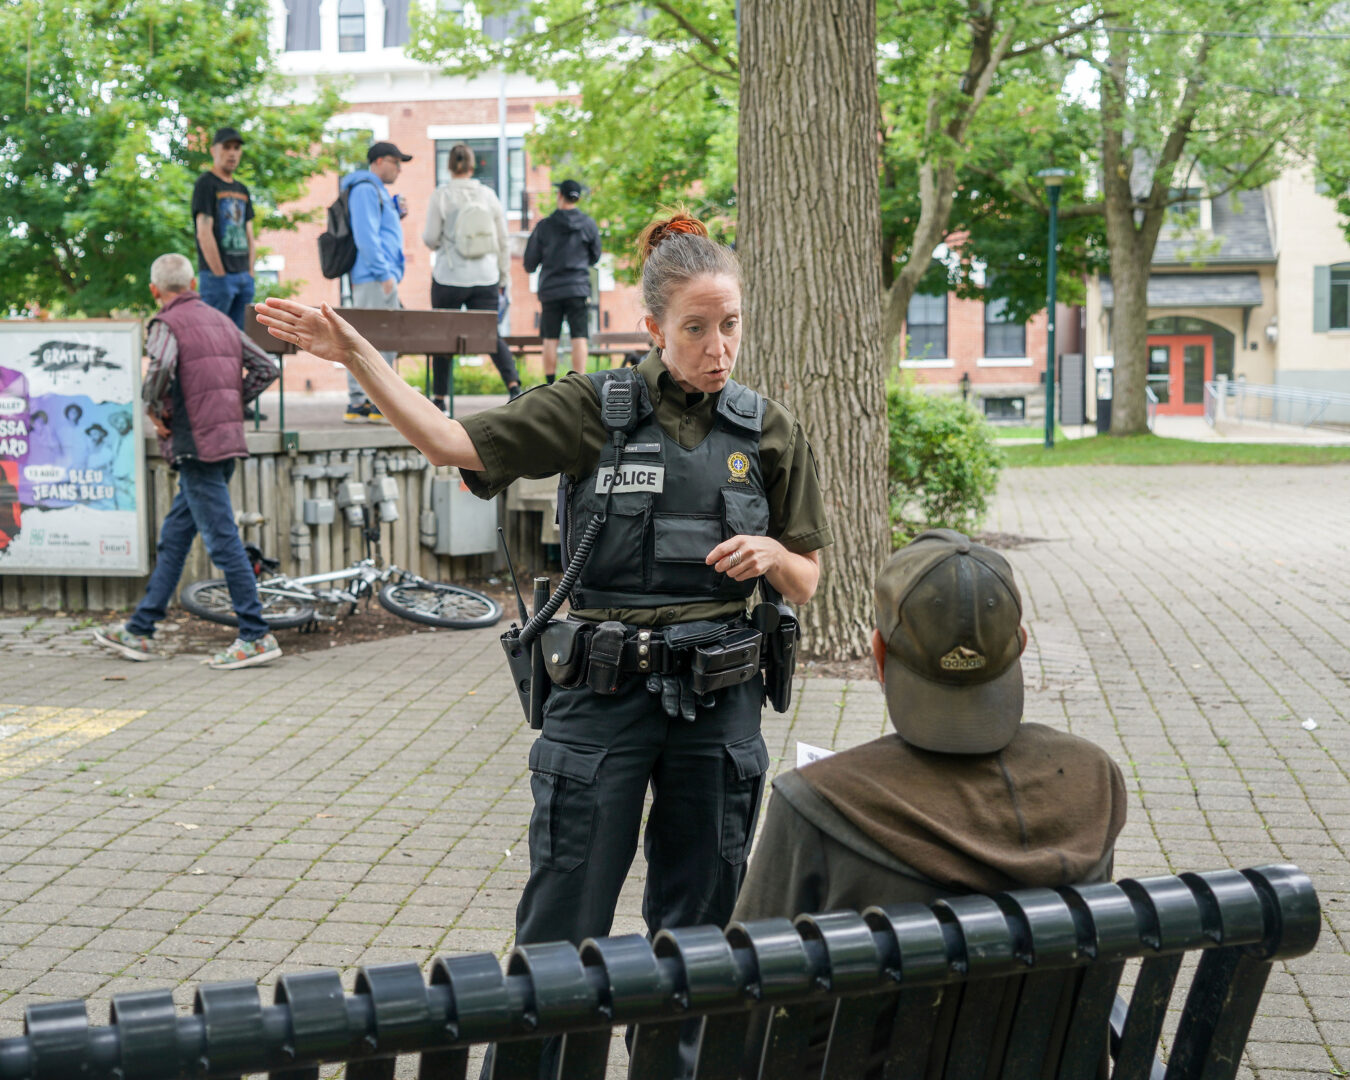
(570,189)
(227,135)
(951,617)
(386,149)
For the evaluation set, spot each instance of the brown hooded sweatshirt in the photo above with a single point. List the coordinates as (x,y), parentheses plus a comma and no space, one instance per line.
(886,823)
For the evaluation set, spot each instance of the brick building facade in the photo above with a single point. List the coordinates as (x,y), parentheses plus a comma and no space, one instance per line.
(391,97)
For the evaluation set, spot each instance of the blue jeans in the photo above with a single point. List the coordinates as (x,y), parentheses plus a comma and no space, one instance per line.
(230,293)
(201,505)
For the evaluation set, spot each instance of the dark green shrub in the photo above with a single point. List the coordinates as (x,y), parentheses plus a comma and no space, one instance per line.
(943,464)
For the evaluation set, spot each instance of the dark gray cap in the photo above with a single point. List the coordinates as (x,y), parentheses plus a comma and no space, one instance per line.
(950,615)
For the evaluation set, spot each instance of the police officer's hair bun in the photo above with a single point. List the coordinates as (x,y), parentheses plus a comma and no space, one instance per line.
(674,250)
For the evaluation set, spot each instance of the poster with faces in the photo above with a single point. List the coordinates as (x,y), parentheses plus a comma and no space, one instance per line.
(71,449)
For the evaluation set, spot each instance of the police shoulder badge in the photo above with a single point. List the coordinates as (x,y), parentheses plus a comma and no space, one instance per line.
(739,465)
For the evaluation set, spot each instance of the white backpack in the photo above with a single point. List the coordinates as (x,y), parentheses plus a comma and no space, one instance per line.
(475,230)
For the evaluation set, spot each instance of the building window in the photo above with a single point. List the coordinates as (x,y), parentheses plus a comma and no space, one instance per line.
(351,25)
(1005,408)
(485,167)
(396,30)
(926,326)
(1002,335)
(1340,298)
(501,27)
(302,25)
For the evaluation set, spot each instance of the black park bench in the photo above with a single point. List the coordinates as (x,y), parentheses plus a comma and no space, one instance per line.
(1021,984)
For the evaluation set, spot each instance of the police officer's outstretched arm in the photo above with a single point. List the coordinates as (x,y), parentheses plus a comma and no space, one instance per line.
(322,332)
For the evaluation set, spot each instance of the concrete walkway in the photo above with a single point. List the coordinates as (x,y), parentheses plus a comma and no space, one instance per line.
(164,824)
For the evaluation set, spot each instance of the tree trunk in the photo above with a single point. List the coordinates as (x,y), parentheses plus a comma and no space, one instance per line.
(1129,335)
(808,235)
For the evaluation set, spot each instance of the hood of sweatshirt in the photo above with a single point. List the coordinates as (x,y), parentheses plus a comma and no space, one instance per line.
(358,176)
(572,220)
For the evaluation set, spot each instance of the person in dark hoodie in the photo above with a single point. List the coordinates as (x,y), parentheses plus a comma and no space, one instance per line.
(563,248)
(964,797)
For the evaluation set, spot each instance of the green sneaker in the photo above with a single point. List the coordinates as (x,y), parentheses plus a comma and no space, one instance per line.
(246,653)
(127,645)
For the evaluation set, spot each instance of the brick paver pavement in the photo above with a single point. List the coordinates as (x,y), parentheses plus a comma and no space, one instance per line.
(370,803)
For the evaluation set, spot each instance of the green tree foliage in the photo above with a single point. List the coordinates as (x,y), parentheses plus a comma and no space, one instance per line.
(107,108)
(657,119)
(1220,95)
(943,464)
(655,123)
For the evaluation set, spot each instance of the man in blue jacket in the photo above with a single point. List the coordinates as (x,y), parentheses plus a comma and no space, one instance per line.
(377,228)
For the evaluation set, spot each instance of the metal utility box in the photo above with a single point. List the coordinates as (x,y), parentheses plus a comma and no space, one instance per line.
(318,511)
(1104,367)
(465,524)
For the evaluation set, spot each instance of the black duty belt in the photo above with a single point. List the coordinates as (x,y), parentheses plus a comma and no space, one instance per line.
(713,655)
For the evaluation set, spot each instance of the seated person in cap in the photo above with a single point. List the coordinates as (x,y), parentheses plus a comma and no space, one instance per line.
(964,797)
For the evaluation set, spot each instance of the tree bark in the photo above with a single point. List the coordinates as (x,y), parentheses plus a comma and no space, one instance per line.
(808,236)
(1129,337)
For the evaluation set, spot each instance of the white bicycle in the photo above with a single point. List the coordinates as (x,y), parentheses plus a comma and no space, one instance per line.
(289,602)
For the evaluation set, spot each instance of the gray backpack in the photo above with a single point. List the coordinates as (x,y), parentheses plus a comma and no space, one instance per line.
(475,232)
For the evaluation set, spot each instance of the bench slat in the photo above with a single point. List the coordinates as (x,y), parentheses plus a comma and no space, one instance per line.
(1087,1040)
(722,1045)
(443,1065)
(518,1060)
(915,1030)
(655,1051)
(585,1054)
(1218,1014)
(853,1035)
(1143,1021)
(976,1049)
(788,1039)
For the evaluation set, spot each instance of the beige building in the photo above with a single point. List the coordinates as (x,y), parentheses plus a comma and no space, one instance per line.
(1252,287)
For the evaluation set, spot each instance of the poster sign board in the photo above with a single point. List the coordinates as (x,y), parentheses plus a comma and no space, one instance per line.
(72,455)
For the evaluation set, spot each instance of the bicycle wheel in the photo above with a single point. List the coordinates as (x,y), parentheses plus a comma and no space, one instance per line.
(435,604)
(211,600)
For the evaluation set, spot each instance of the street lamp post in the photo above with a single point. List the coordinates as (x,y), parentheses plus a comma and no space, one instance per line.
(1053,179)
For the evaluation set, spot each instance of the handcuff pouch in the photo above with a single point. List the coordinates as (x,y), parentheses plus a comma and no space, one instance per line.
(565,645)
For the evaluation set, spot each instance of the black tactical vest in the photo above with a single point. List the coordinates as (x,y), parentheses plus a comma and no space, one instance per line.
(670,507)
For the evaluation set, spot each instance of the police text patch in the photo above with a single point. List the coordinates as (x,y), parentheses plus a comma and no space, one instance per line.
(631,478)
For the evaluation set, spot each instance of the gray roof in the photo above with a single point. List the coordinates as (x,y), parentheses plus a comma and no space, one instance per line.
(1196,290)
(1239,226)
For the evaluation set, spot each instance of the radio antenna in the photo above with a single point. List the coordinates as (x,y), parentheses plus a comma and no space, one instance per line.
(520,600)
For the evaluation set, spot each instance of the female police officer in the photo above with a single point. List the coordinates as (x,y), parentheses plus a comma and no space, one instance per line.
(714,487)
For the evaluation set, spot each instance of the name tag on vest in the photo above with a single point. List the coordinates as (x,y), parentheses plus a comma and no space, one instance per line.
(631,478)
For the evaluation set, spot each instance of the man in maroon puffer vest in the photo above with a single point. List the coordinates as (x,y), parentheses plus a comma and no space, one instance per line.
(202,373)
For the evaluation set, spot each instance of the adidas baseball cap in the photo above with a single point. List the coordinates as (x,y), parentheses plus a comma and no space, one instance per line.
(950,615)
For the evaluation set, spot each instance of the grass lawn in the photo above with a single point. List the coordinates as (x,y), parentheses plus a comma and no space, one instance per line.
(1024,431)
(1152,450)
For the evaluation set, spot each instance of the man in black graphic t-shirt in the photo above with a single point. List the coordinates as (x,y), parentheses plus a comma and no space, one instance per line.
(223,215)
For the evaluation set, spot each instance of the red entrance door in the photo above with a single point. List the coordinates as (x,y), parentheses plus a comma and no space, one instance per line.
(1179,365)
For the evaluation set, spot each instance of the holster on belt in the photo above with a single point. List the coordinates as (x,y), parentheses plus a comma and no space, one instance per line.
(781,635)
(519,659)
(606,662)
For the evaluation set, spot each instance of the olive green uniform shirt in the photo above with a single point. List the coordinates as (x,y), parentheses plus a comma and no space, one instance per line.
(557,429)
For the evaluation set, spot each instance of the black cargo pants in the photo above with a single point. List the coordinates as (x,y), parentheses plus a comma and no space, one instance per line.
(591,767)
